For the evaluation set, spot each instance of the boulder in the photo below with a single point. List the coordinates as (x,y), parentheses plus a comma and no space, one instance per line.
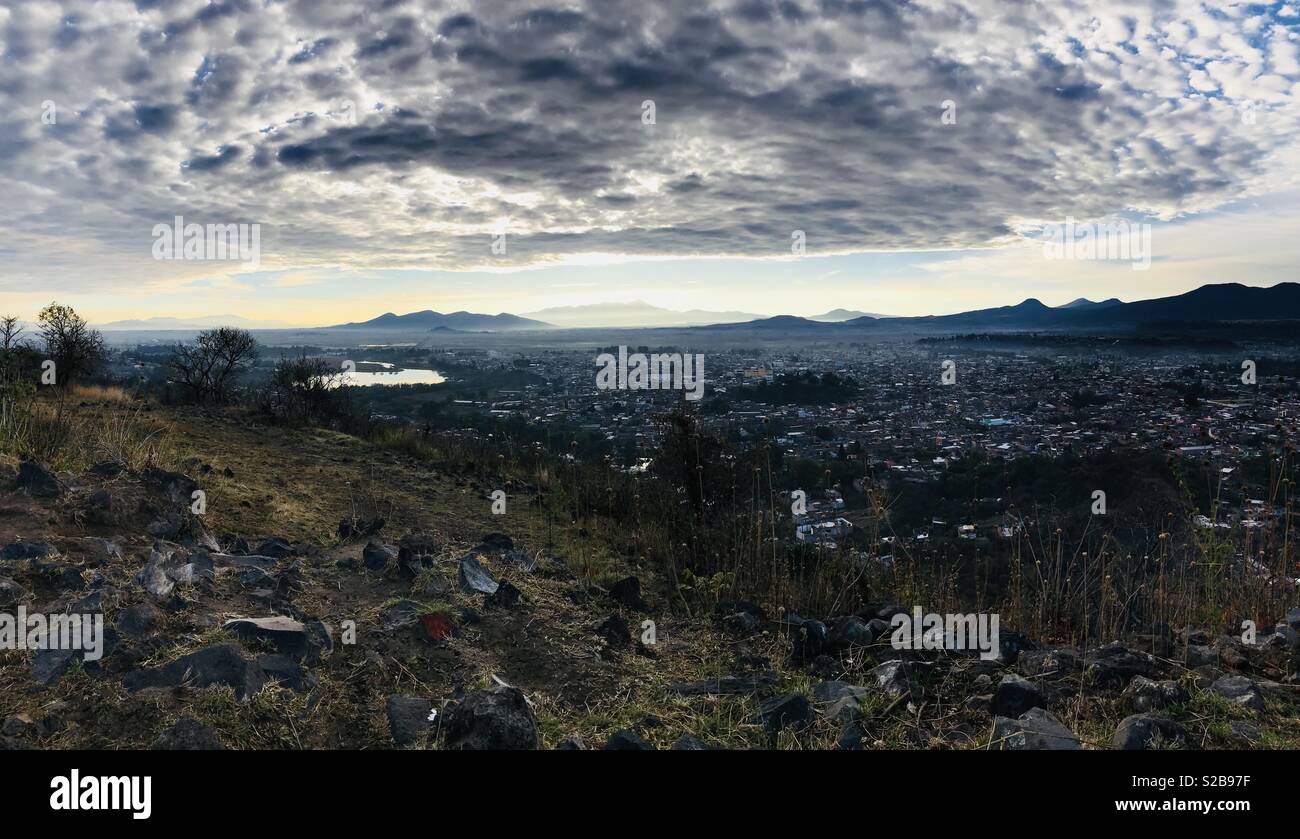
(286,635)
(220,665)
(28,550)
(473,577)
(494,720)
(138,620)
(627,592)
(37,481)
(690,743)
(1143,694)
(410,718)
(1240,691)
(781,712)
(377,555)
(1035,729)
(893,677)
(1142,731)
(626,740)
(1014,695)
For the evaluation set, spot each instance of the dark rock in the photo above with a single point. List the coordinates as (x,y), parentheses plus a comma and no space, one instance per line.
(11,592)
(1243,732)
(1293,619)
(840,700)
(1199,656)
(408,718)
(1049,663)
(37,481)
(850,631)
(358,528)
(222,665)
(401,614)
(377,555)
(1015,695)
(572,743)
(614,631)
(690,743)
(1036,729)
(473,577)
(416,552)
(1240,691)
(781,712)
(1143,694)
(99,507)
(496,542)
(808,637)
(893,677)
(1115,666)
(286,635)
(850,738)
(178,488)
(742,624)
(627,592)
(275,547)
(188,735)
(139,620)
(1140,731)
(492,720)
(625,740)
(49,665)
(107,469)
(28,550)
(825,666)
(505,597)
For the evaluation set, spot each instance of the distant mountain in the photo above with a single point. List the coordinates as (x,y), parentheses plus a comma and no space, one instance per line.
(457,321)
(1225,301)
(1085,303)
(636,314)
(207,322)
(841,315)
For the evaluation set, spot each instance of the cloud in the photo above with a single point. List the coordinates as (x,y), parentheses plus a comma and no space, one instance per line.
(402,134)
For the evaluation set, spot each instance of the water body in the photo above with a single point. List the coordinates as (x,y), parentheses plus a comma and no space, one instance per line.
(391,376)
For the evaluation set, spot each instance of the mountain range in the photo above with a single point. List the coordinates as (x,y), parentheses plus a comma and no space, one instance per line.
(455,321)
(187,324)
(635,314)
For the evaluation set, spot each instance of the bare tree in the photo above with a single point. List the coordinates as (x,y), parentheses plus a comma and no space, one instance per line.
(11,329)
(212,365)
(76,349)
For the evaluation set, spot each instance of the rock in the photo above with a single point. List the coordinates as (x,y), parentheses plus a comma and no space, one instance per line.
(99,507)
(377,555)
(1141,731)
(37,481)
(139,620)
(625,740)
(893,677)
(505,597)
(188,735)
(980,703)
(286,635)
(416,552)
(286,672)
(1036,729)
(1282,636)
(49,665)
(28,550)
(276,548)
(840,700)
(1051,662)
(153,577)
(848,632)
(358,528)
(11,592)
(1143,694)
(726,686)
(1293,619)
(1113,666)
(572,743)
(18,726)
(1240,691)
(409,719)
(438,625)
(1014,695)
(627,592)
(1199,656)
(1243,733)
(492,720)
(473,577)
(107,469)
(265,563)
(742,624)
(178,488)
(690,743)
(401,614)
(781,712)
(614,631)
(220,665)
(850,738)
(496,542)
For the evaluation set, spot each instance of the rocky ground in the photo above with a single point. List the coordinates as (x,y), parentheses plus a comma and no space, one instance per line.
(336,595)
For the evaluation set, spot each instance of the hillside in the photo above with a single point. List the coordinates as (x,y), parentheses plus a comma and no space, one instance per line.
(563,629)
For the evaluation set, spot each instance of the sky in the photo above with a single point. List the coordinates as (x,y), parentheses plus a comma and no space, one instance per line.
(399,155)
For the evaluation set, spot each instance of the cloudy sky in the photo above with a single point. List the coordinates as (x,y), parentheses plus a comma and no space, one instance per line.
(640,150)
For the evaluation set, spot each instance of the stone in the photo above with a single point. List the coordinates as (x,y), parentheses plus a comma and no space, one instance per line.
(1113,666)
(1014,695)
(627,592)
(893,677)
(495,719)
(138,620)
(377,555)
(219,665)
(37,481)
(11,593)
(401,614)
(690,743)
(626,740)
(286,635)
(178,488)
(1143,694)
(188,735)
(409,718)
(614,631)
(1240,691)
(1243,732)
(572,743)
(781,712)
(496,542)
(1047,663)
(726,685)
(1035,729)
(1199,656)
(850,739)
(742,624)
(840,700)
(1142,731)
(507,596)
(473,577)
(28,550)
(848,632)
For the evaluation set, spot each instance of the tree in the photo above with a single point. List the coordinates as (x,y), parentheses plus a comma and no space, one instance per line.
(11,329)
(212,365)
(75,348)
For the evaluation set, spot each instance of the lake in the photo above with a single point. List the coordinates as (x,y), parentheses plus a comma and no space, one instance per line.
(390,376)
